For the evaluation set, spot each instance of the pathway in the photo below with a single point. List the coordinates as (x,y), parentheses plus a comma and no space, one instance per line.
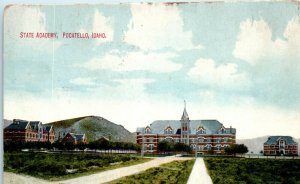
(102,177)
(199,173)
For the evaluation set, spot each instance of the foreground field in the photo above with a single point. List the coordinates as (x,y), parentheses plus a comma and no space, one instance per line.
(174,172)
(243,170)
(64,166)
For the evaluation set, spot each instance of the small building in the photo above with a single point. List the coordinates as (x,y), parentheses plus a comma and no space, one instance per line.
(26,131)
(74,138)
(203,136)
(49,133)
(280,145)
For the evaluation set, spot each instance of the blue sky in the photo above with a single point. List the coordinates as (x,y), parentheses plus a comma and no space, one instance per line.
(235,62)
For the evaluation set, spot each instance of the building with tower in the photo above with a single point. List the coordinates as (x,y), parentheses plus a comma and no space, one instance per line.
(203,136)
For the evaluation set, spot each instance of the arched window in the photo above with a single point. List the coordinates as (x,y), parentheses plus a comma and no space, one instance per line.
(208,147)
(169,139)
(200,139)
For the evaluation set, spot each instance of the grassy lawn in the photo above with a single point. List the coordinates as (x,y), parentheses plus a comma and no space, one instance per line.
(174,172)
(56,166)
(251,170)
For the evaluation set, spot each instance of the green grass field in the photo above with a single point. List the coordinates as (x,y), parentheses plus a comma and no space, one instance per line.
(175,172)
(55,166)
(253,171)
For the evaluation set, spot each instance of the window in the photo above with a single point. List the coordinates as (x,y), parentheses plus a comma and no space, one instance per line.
(208,139)
(222,130)
(201,130)
(151,139)
(200,147)
(200,139)
(218,147)
(225,139)
(169,139)
(208,147)
(148,130)
(151,147)
(168,130)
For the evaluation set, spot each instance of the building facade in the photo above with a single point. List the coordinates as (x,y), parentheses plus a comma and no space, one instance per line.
(280,145)
(75,138)
(29,131)
(203,136)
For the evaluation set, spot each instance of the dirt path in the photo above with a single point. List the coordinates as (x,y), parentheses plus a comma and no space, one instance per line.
(102,177)
(199,173)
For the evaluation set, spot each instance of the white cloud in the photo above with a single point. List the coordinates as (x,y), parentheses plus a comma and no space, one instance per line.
(205,71)
(83,81)
(103,24)
(254,41)
(158,26)
(134,61)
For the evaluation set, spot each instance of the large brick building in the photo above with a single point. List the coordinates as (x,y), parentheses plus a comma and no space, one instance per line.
(280,145)
(29,131)
(205,136)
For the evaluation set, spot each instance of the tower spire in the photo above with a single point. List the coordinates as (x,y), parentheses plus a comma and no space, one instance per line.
(185,114)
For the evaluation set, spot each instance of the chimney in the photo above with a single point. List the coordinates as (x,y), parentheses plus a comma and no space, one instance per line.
(230,129)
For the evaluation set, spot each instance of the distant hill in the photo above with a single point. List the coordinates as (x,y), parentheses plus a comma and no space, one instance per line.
(255,145)
(94,127)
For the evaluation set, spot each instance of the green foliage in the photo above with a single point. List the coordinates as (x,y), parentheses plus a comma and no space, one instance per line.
(103,144)
(174,172)
(54,166)
(236,148)
(182,147)
(165,146)
(12,146)
(253,171)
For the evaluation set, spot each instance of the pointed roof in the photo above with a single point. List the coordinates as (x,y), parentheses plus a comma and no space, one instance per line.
(185,115)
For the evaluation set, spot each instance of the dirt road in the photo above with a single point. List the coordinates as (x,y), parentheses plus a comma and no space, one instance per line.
(102,177)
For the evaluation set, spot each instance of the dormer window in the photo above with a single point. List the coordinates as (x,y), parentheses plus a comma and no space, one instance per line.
(201,130)
(168,130)
(222,130)
(147,130)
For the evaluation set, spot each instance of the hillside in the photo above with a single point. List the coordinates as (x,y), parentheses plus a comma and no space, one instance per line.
(255,145)
(94,127)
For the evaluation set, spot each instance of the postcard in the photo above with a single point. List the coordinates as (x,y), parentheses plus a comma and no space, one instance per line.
(205,92)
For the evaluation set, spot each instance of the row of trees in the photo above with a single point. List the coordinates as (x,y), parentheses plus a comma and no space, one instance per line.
(10,146)
(165,146)
(236,149)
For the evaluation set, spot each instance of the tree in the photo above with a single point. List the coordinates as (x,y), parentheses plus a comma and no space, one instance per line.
(69,146)
(182,147)
(81,146)
(165,146)
(236,149)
